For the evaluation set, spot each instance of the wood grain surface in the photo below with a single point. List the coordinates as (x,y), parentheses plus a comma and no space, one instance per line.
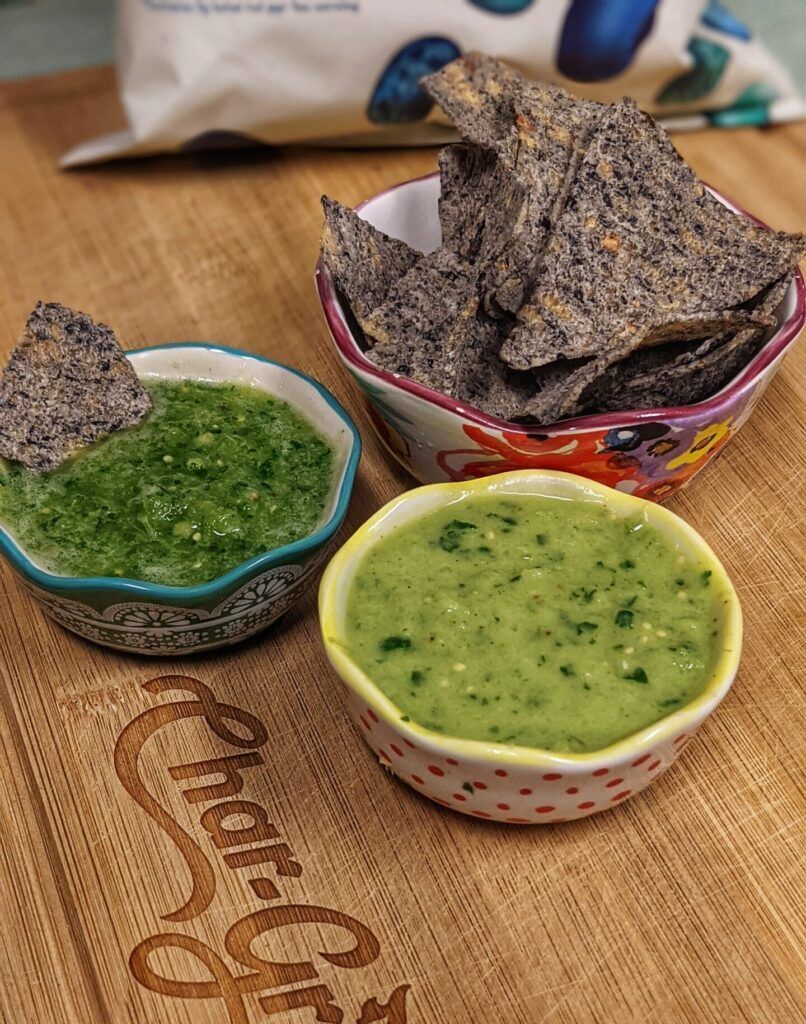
(684,906)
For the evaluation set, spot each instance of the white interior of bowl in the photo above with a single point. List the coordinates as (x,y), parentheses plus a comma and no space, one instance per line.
(411,212)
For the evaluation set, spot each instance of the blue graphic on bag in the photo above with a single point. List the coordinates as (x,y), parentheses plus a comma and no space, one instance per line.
(503,6)
(719,18)
(601,37)
(398,98)
(710,61)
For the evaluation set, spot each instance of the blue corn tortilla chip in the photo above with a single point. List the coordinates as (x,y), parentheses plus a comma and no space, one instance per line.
(364,262)
(640,241)
(67,384)
(469,181)
(674,374)
(422,327)
(564,395)
(483,380)
(539,133)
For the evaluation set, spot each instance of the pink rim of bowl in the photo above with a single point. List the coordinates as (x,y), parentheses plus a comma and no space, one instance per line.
(351,352)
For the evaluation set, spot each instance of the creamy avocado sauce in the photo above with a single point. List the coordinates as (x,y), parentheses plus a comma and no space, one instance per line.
(533,621)
(216,474)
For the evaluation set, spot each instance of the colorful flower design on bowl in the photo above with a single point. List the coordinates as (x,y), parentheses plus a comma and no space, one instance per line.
(647,452)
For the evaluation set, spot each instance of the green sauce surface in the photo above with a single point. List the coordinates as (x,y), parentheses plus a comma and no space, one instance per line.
(533,621)
(216,474)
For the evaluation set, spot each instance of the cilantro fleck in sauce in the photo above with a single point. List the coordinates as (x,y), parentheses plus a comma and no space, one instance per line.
(216,474)
(533,621)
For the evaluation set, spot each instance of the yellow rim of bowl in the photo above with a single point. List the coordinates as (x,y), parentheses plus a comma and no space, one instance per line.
(348,557)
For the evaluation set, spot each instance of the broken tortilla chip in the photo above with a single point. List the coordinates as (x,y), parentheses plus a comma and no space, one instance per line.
(66,384)
(640,241)
(563,396)
(364,262)
(422,327)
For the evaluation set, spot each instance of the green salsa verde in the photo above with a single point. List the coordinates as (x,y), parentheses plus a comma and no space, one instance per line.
(533,621)
(216,474)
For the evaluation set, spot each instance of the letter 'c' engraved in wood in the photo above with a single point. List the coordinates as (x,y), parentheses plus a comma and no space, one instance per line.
(127,752)
(233,823)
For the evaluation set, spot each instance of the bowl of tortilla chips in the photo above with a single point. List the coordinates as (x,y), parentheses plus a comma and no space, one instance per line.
(564,293)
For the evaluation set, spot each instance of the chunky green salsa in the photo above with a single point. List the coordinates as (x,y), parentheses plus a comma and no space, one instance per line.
(217,473)
(533,621)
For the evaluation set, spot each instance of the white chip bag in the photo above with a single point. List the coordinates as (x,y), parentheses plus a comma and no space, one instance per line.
(199,73)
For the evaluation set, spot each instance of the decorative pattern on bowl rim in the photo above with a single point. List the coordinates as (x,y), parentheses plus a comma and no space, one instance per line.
(166,620)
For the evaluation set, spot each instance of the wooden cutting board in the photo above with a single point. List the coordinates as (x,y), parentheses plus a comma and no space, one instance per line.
(117,906)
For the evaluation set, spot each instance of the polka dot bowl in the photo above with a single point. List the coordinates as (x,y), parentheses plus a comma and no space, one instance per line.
(512,784)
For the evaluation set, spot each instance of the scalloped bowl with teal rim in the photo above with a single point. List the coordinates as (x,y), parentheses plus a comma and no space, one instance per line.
(647,452)
(516,784)
(148,618)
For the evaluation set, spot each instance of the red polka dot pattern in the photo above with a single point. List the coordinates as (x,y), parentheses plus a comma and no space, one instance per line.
(519,794)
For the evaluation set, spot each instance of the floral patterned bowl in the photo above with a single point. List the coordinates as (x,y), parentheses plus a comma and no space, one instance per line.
(650,453)
(147,618)
(507,783)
